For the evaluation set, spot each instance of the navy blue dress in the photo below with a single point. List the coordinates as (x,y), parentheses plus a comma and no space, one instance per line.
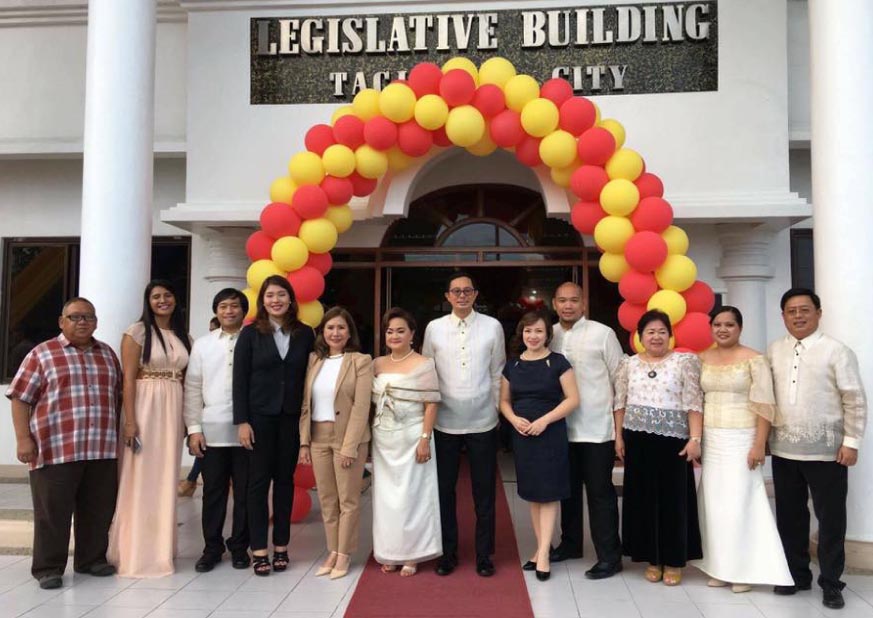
(541,462)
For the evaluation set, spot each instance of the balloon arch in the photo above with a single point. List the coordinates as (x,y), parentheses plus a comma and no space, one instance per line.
(482,109)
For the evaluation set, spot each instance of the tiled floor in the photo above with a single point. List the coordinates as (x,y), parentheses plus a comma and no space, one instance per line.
(297,593)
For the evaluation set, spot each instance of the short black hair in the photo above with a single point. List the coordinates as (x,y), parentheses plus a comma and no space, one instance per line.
(228,294)
(654,315)
(398,313)
(799,292)
(738,316)
(77,299)
(458,275)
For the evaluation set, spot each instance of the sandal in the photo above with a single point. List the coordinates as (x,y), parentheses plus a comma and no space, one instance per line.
(280,560)
(672,576)
(654,573)
(388,568)
(408,570)
(261,565)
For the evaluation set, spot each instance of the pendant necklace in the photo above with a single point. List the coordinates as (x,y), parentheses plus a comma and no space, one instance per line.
(400,360)
(652,373)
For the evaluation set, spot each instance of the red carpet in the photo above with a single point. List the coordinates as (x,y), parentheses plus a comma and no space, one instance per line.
(463,594)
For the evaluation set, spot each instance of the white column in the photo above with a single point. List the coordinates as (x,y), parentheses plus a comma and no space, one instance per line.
(115,260)
(841,61)
(227,258)
(745,269)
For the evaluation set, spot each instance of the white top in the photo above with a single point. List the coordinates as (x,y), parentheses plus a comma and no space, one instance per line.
(820,400)
(324,390)
(594,351)
(282,339)
(469,355)
(208,407)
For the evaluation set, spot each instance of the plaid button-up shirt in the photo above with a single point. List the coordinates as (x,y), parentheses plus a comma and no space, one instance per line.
(75,398)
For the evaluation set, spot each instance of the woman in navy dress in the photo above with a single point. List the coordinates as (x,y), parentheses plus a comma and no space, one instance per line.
(537,391)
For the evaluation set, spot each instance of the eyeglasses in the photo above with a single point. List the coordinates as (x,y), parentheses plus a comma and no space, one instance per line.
(458,292)
(81,317)
(795,311)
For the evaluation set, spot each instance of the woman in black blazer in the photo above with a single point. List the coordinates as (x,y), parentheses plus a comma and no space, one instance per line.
(269,369)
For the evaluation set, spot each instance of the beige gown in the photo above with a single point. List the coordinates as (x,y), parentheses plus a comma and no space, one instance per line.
(142,540)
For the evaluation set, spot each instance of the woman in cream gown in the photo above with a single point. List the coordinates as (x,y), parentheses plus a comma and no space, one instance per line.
(741,545)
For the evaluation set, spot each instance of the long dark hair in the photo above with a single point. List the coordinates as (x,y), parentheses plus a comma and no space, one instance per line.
(177,322)
(322,349)
(516,344)
(290,323)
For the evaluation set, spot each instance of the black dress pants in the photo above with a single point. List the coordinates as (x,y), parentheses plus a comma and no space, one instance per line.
(273,460)
(482,455)
(591,465)
(220,465)
(827,481)
(83,490)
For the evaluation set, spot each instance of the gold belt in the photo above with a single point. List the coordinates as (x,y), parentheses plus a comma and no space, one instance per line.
(159,374)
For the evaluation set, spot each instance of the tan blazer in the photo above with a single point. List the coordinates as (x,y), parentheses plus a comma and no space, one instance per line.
(354,385)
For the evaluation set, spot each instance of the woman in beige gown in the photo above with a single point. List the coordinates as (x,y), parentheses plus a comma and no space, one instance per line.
(154,354)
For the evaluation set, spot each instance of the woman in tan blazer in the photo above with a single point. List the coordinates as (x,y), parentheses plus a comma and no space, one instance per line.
(335,432)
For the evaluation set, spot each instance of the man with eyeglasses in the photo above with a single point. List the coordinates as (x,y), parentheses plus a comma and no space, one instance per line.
(821,412)
(66,400)
(468,350)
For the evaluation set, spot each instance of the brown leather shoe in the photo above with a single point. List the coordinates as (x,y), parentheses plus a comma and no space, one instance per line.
(186,488)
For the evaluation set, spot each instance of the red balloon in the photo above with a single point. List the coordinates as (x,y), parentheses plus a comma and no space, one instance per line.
(645,251)
(361,186)
(637,287)
(557,90)
(258,246)
(629,314)
(304,476)
(309,201)
(318,138)
(576,115)
(440,138)
(694,332)
(413,139)
(653,214)
(380,133)
(307,282)
(338,190)
(278,220)
(596,145)
(349,131)
(506,130)
(457,87)
(424,78)
(649,185)
(322,262)
(301,506)
(588,181)
(585,216)
(699,298)
(528,151)
(489,100)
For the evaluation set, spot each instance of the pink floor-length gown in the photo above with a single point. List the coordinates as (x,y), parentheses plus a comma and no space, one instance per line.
(142,541)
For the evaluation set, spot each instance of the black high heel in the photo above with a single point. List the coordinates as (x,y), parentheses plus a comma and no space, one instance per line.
(543,575)
(530,565)
(280,560)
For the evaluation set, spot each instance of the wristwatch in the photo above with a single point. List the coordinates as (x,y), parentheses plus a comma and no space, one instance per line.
(425,436)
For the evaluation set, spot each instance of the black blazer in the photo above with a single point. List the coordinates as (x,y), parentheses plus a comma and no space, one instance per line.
(265,384)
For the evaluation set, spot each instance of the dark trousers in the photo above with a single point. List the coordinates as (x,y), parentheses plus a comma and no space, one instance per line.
(273,460)
(86,489)
(591,465)
(827,481)
(220,465)
(482,455)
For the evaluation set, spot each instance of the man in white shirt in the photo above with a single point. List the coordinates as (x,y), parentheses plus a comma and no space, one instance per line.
(821,412)
(593,350)
(469,352)
(213,437)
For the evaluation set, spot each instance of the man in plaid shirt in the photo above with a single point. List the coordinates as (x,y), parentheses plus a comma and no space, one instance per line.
(66,399)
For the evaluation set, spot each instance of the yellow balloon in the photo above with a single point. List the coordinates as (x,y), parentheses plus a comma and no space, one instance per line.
(613,266)
(614,127)
(676,239)
(519,91)
(670,302)
(282,190)
(397,159)
(496,71)
(340,216)
(366,104)
(465,64)
(338,160)
(561,176)
(320,235)
(677,273)
(625,163)
(260,270)
(612,233)
(483,147)
(252,297)
(539,117)
(558,148)
(596,113)
(306,168)
(465,126)
(310,313)
(431,111)
(345,110)
(397,102)
(619,197)
(370,163)
(289,253)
